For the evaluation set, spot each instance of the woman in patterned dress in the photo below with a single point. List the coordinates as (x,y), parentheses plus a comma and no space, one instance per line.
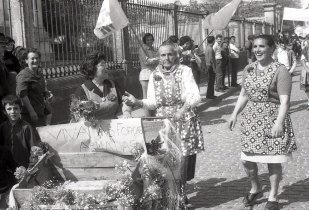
(173,93)
(266,128)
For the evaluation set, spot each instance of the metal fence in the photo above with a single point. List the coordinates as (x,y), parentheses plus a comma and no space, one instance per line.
(63,30)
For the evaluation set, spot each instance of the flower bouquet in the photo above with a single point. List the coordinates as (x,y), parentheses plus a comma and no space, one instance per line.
(83,110)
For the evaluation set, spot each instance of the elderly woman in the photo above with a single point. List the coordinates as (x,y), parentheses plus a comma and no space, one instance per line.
(31,88)
(148,60)
(100,88)
(173,93)
(267,133)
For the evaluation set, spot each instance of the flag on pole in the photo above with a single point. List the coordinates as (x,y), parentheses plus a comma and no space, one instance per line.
(295,14)
(111,18)
(220,19)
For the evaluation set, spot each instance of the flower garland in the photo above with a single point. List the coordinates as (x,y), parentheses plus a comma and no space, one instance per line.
(83,110)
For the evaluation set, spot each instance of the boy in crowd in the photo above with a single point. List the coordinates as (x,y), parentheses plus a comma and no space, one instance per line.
(15,133)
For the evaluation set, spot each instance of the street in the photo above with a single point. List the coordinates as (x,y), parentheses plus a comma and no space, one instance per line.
(221,182)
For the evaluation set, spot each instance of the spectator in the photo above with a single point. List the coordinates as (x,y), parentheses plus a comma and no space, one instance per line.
(100,88)
(4,86)
(225,62)
(15,133)
(249,48)
(148,59)
(174,39)
(305,71)
(189,56)
(285,56)
(12,64)
(31,88)
(210,67)
(234,58)
(219,68)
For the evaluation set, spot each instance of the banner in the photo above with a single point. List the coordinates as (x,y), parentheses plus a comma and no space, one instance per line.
(111,18)
(220,19)
(295,14)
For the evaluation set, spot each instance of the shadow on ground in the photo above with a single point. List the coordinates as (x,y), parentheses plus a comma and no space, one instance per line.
(215,191)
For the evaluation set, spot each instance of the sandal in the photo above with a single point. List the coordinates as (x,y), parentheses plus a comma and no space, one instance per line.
(250,198)
(272,205)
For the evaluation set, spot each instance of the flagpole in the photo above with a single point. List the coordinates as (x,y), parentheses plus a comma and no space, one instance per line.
(206,38)
(138,40)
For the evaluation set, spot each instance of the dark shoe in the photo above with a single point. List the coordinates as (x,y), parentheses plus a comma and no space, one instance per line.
(211,97)
(250,199)
(225,87)
(236,85)
(272,205)
(220,90)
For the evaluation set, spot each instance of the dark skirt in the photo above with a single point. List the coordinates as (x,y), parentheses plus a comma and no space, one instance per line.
(189,167)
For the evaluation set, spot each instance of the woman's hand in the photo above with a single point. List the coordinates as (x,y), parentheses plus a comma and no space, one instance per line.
(34,117)
(232,121)
(179,114)
(129,99)
(277,130)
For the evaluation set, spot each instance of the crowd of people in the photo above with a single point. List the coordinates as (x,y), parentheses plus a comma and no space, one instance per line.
(169,78)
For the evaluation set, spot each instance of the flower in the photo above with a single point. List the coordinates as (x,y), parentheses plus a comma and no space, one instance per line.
(111,97)
(20,172)
(83,109)
(157,77)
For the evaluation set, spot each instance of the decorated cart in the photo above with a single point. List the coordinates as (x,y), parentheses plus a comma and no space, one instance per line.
(114,164)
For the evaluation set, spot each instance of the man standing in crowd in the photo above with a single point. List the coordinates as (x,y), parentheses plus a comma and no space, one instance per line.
(4,87)
(219,70)
(249,48)
(210,67)
(285,56)
(234,58)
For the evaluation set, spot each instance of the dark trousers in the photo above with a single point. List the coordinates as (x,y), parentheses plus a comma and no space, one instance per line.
(219,74)
(211,82)
(234,64)
(224,70)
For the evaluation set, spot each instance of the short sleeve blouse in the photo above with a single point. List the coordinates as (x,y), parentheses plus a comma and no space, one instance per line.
(280,85)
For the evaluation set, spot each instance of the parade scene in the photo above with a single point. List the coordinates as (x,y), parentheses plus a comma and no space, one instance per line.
(154,105)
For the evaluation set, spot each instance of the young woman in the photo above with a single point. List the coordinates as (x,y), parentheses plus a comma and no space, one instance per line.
(267,133)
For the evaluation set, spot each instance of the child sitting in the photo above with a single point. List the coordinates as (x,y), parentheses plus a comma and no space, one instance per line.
(16,134)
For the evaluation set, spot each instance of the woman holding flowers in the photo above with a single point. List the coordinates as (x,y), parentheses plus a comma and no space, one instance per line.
(173,93)
(99,88)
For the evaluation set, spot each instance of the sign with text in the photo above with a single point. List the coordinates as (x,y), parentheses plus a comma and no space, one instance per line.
(65,137)
(117,136)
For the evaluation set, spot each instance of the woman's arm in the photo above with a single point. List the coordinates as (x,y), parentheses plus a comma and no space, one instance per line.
(190,92)
(277,129)
(294,63)
(145,59)
(240,105)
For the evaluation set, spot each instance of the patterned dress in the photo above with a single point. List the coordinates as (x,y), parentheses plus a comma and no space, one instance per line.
(167,93)
(260,115)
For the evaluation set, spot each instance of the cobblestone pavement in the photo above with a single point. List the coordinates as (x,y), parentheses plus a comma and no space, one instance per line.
(221,182)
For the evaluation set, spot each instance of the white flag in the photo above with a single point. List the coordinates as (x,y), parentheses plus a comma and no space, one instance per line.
(295,14)
(220,19)
(111,18)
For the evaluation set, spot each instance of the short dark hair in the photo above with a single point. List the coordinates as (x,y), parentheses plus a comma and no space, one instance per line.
(146,36)
(184,39)
(218,36)
(11,99)
(251,37)
(233,37)
(33,50)
(9,40)
(210,39)
(88,67)
(173,39)
(283,41)
(269,39)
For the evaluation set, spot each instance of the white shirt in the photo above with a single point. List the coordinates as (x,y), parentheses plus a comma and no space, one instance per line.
(217,49)
(234,51)
(283,57)
(189,90)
